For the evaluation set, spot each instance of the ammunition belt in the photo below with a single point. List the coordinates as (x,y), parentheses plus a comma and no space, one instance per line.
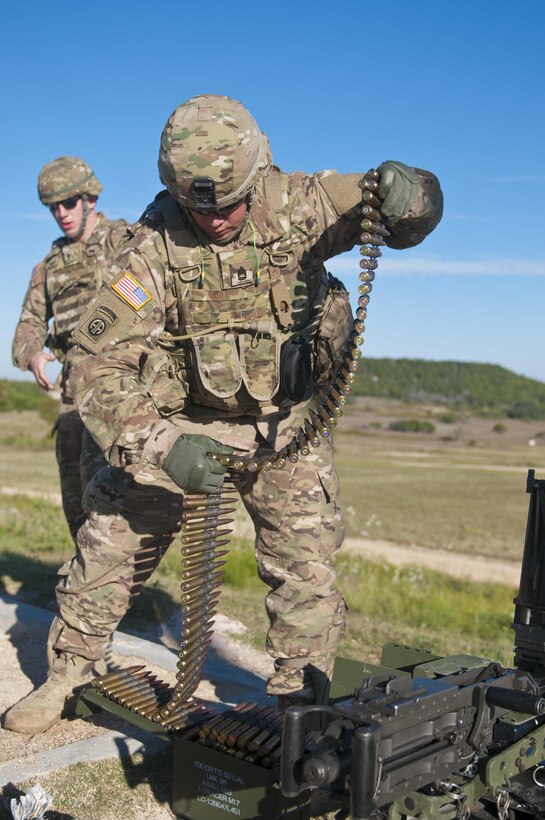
(328,407)
(203,534)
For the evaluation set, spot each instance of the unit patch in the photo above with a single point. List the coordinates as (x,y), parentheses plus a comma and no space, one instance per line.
(131,291)
(37,275)
(102,320)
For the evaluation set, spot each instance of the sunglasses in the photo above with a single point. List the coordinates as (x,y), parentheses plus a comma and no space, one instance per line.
(67,204)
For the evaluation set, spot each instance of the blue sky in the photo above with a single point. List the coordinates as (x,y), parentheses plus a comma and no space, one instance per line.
(456,87)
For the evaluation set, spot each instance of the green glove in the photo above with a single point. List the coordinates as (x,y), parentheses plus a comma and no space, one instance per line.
(190,466)
(399,186)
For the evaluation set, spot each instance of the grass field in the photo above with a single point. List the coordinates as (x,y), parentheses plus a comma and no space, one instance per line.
(408,488)
(461,488)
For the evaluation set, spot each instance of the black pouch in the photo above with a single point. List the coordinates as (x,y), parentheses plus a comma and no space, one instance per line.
(296,369)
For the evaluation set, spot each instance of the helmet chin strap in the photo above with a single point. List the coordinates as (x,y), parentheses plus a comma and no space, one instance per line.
(86,210)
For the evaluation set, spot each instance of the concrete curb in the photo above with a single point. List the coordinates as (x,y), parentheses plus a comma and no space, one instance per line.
(103,747)
(230,666)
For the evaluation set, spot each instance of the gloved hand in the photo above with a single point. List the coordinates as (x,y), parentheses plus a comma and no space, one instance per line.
(399,185)
(191,468)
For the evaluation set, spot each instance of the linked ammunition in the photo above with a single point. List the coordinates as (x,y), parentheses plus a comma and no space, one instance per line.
(188,656)
(200,580)
(318,424)
(370,212)
(327,417)
(369,184)
(371,251)
(268,725)
(120,689)
(303,443)
(186,708)
(293,454)
(244,737)
(198,608)
(371,238)
(127,680)
(202,592)
(204,569)
(191,503)
(311,434)
(204,537)
(196,549)
(343,385)
(269,746)
(374,227)
(190,539)
(337,397)
(348,375)
(370,199)
(197,637)
(367,273)
(209,725)
(229,720)
(363,301)
(230,734)
(333,408)
(206,514)
(203,546)
(118,673)
(209,555)
(193,618)
(135,702)
(192,525)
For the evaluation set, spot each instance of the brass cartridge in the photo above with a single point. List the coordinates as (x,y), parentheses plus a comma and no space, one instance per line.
(303,443)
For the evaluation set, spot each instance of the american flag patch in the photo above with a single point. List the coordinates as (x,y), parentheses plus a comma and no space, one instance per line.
(131,291)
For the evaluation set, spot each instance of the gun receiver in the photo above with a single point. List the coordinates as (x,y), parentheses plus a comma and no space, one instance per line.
(439,738)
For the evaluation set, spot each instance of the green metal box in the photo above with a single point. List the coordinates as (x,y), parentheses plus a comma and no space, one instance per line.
(210,785)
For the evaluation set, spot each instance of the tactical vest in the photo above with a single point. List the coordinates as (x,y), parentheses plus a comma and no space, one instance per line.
(73,274)
(236,318)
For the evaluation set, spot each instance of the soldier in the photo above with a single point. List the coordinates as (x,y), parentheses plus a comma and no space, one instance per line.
(215,329)
(60,288)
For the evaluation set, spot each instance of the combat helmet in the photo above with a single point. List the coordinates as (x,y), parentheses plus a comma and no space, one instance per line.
(66,177)
(212,153)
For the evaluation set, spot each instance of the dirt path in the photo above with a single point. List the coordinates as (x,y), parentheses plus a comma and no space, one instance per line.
(458,564)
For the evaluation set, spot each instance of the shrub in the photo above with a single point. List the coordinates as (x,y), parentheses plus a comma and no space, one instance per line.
(412,426)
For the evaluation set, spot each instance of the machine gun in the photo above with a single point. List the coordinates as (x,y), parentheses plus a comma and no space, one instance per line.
(438,738)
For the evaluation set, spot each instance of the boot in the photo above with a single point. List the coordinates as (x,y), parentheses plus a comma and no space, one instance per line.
(54,699)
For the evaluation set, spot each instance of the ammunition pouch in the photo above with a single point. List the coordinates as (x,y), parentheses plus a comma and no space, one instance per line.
(296,369)
(334,329)
(163,376)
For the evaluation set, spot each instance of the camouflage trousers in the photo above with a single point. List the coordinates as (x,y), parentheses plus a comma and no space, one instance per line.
(78,459)
(133,520)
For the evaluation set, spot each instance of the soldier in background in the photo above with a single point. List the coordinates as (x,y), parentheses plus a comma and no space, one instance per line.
(214,330)
(60,289)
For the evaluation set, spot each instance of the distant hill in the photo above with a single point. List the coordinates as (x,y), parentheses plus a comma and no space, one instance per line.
(485,389)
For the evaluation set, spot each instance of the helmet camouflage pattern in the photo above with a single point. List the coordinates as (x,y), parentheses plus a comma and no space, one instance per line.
(212,153)
(66,177)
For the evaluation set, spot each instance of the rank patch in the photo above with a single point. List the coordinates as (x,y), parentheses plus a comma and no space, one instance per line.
(241,275)
(131,291)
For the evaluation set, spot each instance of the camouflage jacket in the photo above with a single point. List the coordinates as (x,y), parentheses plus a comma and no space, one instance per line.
(60,289)
(186,328)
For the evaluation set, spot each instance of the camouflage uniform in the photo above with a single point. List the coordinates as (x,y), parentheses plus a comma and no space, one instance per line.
(185,336)
(60,289)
